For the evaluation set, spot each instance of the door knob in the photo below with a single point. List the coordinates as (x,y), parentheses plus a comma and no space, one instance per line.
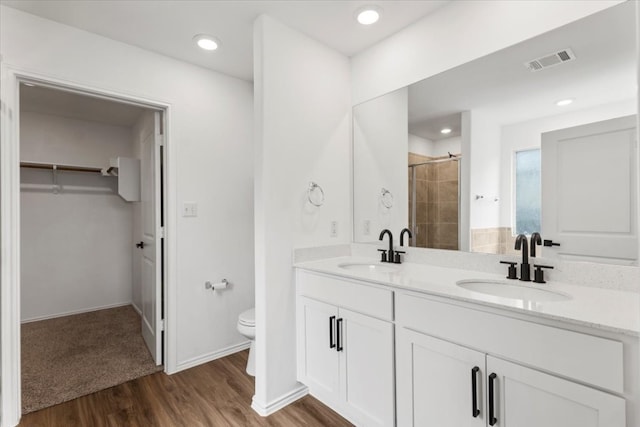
(140,245)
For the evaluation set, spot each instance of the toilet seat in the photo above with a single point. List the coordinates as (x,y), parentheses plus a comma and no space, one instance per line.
(248,318)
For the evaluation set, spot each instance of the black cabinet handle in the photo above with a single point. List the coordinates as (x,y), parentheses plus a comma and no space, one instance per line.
(332,321)
(475,411)
(339,334)
(140,245)
(492,419)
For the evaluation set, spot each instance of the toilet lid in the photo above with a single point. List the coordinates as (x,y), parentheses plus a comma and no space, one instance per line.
(248,317)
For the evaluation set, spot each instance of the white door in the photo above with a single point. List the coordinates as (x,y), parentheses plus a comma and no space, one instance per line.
(438,383)
(366,365)
(152,241)
(318,362)
(525,397)
(589,192)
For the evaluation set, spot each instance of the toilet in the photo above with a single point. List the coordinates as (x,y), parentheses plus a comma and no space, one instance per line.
(247,327)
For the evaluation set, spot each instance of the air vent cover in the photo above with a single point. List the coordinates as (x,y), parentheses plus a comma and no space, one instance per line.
(550,60)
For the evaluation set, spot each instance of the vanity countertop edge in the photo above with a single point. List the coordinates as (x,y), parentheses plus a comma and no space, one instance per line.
(604,309)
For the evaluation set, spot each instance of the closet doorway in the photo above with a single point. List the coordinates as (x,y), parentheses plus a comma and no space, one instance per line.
(92,243)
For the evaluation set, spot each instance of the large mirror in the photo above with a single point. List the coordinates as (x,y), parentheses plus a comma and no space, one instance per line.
(538,137)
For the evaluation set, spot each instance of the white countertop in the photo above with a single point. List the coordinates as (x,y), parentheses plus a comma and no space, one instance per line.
(611,310)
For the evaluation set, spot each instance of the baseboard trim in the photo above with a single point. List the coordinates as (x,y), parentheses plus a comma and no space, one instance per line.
(71,313)
(211,356)
(279,403)
(135,307)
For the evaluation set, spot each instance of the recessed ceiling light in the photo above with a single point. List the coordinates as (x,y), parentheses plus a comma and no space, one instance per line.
(564,102)
(445,131)
(368,15)
(206,42)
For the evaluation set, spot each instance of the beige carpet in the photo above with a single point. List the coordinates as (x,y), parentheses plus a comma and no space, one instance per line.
(72,356)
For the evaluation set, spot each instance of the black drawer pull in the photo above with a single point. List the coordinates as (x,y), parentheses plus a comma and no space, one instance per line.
(475,411)
(492,418)
(332,322)
(339,333)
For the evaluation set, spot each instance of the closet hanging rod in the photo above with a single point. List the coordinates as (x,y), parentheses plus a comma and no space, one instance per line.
(50,166)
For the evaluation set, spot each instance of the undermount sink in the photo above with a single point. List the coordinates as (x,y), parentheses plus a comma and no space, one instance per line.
(512,290)
(367,266)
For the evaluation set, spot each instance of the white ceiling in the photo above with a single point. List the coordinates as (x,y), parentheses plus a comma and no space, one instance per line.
(430,128)
(167,27)
(499,84)
(43,100)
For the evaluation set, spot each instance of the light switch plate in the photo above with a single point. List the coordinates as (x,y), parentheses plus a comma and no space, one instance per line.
(190,209)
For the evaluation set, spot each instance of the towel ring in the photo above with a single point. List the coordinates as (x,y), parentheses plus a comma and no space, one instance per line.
(386,198)
(315,194)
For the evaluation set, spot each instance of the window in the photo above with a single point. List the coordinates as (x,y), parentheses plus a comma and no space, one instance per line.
(527,191)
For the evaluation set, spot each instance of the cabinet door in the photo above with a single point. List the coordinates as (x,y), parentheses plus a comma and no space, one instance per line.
(525,397)
(366,365)
(318,360)
(435,379)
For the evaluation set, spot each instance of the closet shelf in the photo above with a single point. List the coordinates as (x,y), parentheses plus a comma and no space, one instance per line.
(125,169)
(128,172)
(53,166)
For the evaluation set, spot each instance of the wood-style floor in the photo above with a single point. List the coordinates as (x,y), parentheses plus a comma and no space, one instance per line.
(217,393)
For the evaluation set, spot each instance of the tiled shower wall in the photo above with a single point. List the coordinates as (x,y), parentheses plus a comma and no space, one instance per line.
(436,202)
(496,240)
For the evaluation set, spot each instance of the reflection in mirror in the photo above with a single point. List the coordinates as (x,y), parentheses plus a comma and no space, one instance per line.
(537,137)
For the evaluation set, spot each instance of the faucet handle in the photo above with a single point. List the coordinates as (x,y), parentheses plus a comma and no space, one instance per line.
(383,257)
(538,274)
(513,273)
(396,258)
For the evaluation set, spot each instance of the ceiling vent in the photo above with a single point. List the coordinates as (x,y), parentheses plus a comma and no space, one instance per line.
(550,60)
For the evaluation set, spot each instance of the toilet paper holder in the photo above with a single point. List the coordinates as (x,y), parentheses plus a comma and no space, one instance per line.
(218,286)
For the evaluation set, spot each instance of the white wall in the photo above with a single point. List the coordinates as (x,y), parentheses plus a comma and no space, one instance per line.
(302,134)
(76,246)
(455,34)
(418,144)
(484,162)
(210,128)
(443,147)
(527,135)
(439,148)
(380,148)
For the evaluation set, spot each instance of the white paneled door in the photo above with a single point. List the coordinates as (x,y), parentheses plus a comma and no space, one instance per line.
(365,364)
(319,365)
(152,325)
(589,192)
(528,398)
(438,383)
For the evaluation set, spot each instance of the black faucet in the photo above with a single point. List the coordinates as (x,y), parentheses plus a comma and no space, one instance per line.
(402,233)
(535,239)
(387,257)
(525,271)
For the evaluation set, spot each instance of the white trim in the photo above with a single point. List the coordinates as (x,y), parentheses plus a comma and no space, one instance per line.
(10,405)
(279,403)
(84,310)
(10,397)
(212,356)
(136,308)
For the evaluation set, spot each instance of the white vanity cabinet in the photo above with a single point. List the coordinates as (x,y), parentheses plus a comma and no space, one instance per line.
(444,384)
(525,397)
(436,381)
(345,347)
(436,376)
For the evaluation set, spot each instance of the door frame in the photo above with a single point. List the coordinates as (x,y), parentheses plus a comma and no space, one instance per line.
(10,366)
